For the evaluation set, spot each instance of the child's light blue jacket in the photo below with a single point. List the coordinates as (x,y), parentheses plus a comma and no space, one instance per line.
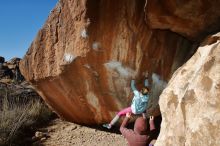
(140,101)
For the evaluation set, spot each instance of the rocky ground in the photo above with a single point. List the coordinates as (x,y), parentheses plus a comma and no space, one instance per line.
(62,133)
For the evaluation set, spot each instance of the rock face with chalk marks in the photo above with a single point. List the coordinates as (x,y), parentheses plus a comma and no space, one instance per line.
(82,60)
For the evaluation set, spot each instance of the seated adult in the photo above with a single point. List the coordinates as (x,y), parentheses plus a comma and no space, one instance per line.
(138,136)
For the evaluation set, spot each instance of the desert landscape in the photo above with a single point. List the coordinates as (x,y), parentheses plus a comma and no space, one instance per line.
(77,74)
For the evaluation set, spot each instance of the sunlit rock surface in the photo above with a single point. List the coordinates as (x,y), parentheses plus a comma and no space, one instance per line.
(190,105)
(83,59)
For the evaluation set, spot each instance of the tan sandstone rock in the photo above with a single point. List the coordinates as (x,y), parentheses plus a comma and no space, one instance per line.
(84,57)
(190,105)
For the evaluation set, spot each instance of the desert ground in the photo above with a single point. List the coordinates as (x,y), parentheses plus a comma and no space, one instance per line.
(63,133)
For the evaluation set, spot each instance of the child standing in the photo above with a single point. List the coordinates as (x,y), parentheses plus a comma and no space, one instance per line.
(138,105)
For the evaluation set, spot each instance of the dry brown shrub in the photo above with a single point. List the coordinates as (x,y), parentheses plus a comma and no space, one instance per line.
(18,114)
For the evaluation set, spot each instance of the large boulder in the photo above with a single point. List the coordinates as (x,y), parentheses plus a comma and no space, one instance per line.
(190,105)
(13,63)
(83,59)
(2,59)
(9,71)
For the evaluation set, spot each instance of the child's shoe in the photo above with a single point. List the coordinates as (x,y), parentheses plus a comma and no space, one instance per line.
(108,126)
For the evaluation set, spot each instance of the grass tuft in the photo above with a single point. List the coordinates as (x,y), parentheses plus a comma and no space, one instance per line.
(19,114)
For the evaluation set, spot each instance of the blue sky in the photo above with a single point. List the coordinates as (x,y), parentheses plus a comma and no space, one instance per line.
(20,21)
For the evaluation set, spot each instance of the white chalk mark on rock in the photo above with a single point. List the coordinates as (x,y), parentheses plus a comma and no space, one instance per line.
(68,58)
(96,46)
(84,34)
(122,70)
